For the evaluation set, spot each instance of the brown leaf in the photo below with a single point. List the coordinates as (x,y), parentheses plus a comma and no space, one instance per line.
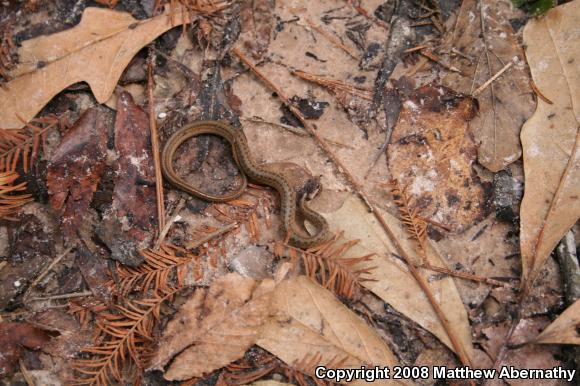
(214,327)
(32,247)
(311,323)
(565,329)
(257,22)
(391,280)
(551,137)
(97,51)
(14,337)
(431,156)
(507,102)
(76,168)
(129,225)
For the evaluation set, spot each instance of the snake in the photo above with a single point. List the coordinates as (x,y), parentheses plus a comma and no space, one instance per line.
(252,171)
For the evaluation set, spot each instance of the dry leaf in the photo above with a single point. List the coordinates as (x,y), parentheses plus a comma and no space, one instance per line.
(129,225)
(507,102)
(76,168)
(14,337)
(96,51)
(563,330)
(551,137)
(432,154)
(214,327)
(311,323)
(394,284)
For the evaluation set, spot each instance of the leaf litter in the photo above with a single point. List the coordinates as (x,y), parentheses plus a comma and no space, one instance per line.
(448,267)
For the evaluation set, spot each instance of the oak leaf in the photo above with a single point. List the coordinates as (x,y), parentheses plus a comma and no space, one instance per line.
(96,51)
(311,325)
(214,327)
(551,137)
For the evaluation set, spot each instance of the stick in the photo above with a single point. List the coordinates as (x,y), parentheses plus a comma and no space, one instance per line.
(65,296)
(332,39)
(168,224)
(488,82)
(155,145)
(50,266)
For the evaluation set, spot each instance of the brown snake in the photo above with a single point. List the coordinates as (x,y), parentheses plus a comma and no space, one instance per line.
(251,170)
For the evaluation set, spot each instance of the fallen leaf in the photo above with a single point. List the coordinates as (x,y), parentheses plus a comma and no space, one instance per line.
(14,337)
(311,323)
(257,22)
(393,282)
(508,101)
(551,137)
(214,327)
(129,225)
(565,329)
(76,168)
(96,51)
(431,155)
(32,248)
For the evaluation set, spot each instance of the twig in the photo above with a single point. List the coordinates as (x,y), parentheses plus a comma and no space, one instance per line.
(490,80)
(155,145)
(332,39)
(169,223)
(463,357)
(463,55)
(365,14)
(467,276)
(3,264)
(65,296)
(211,236)
(50,266)
(431,56)
(294,130)
(539,93)
(25,373)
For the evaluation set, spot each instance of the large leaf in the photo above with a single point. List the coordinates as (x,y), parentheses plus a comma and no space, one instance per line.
(507,102)
(96,51)
(551,137)
(214,327)
(392,281)
(312,325)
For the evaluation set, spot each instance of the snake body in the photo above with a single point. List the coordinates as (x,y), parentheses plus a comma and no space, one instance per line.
(250,170)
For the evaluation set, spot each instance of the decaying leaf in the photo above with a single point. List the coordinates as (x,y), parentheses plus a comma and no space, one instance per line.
(431,156)
(310,322)
(128,226)
(33,247)
(14,337)
(551,137)
(214,327)
(483,33)
(565,329)
(257,22)
(392,281)
(76,168)
(95,51)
